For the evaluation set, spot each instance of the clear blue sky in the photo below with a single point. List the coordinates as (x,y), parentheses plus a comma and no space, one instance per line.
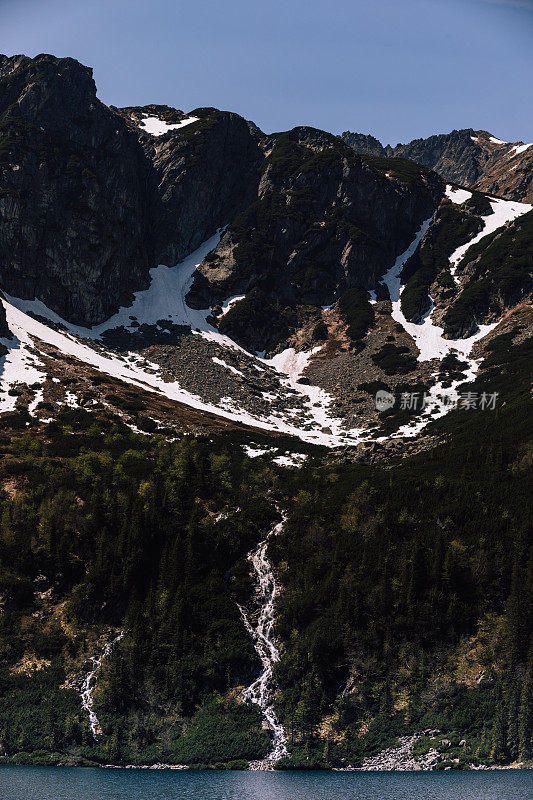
(398,69)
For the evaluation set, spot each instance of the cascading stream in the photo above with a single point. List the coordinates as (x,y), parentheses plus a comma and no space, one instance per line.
(261,629)
(89,685)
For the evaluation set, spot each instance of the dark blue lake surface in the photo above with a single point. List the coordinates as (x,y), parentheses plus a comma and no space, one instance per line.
(63,783)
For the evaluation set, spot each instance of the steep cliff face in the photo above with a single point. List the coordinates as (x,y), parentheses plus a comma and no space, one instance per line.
(364,144)
(73,222)
(324,221)
(455,156)
(201,177)
(509,169)
(90,199)
(4,328)
(475,159)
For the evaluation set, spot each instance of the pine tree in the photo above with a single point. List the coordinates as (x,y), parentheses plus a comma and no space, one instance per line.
(525,713)
(499,732)
(512,720)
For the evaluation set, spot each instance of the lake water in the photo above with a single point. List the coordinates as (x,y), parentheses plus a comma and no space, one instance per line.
(64,783)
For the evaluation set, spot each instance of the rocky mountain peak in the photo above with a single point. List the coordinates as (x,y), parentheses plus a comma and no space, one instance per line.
(56,94)
(476,159)
(91,197)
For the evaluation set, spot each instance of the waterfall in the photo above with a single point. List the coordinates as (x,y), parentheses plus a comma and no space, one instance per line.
(89,684)
(260,626)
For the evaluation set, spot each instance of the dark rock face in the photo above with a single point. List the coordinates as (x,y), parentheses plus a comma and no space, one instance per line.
(89,202)
(324,221)
(73,221)
(200,179)
(4,329)
(364,144)
(470,158)
(454,155)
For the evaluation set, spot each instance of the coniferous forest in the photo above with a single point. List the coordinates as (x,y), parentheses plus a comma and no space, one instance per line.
(406,602)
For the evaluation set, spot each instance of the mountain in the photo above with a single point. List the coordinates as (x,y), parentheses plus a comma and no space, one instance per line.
(320,226)
(265,423)
(475,159)
(79,178)
(72,183)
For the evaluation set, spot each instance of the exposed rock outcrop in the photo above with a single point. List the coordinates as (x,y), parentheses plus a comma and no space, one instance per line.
(365,144)
(90,201)
(201,178)
(324,221)
(402,758)
(4,328)
(475,159)
(73,222)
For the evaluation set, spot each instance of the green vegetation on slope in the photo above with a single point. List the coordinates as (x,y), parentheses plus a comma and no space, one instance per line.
(104,530)
(406,603)
(500,268)
(356,308)
(408,590)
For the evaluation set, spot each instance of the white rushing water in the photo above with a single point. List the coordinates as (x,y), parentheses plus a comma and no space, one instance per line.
(261,629)
(89,684)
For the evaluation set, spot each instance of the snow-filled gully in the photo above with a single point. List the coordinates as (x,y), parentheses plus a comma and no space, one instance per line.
(260,626)
(165,300)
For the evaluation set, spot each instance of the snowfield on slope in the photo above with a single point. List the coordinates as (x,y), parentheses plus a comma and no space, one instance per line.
(164,300)
(427,335)
(457,195)
(520,148)
(19,366)
(136,371)
(157,127)
(503,212)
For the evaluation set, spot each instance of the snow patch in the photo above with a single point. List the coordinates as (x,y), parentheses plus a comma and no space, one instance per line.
(431,344)
(18,366)
(37,398)
(252,451)
(503,212)
(71,400)
(520,148)
(427,336)
(290,460)
(227,304)
(165,299)
(222,363)
(157,127)
(457,195)
(494,140)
